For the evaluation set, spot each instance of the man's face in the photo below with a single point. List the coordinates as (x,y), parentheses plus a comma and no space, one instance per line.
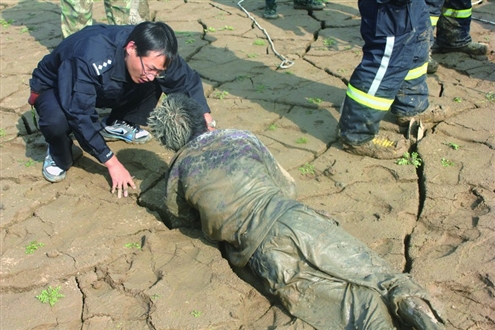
(143,69)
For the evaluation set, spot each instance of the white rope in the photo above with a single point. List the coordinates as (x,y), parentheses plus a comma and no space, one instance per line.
(285,62)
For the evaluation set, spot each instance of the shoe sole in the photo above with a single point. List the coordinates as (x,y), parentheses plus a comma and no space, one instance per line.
(53,178)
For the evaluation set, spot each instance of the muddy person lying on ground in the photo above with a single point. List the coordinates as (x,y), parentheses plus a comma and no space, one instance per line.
(229,182)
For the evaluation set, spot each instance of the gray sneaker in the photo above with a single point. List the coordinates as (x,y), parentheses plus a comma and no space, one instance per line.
(125,131)
(51,171)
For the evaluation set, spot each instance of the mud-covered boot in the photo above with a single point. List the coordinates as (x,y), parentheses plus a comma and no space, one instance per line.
(381,147)
(435,113)
(309,4)
(472,48)
(432,65)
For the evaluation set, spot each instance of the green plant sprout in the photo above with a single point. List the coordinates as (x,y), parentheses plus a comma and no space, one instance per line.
(6,23)
(457,99)
(210,29)
(221,94)
(410,159)
(329,42)
(453,145)
(227,27)
(490,96)
(314,100)
(196,313)
(133,245)
(155,296)
(28,29)
(50,296)
(2,132)
(307,169)
(190,41)
(272,127)
(259,42)
(252,55)
(446,162)
(260,88)
(27,163)
(302,140)
(33,246)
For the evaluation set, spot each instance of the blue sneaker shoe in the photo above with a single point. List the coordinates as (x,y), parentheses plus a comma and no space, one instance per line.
(128,132)
(51,171)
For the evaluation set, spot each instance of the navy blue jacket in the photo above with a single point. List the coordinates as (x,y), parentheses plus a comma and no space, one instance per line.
(87,70)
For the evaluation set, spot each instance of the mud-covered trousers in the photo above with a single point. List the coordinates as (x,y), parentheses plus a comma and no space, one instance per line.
(452,19)
(328,278)
(76,14)
(53,120)
(392,72)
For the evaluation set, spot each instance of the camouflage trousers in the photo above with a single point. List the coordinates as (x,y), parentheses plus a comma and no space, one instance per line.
(76,14)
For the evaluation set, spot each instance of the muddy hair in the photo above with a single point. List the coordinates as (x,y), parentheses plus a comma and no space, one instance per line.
(177,120)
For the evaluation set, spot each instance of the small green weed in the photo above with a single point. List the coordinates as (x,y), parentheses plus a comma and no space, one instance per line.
(302,140)
(314,100)
(307,169)
(210,29)
(190,41)
(457,99)
(272,127)
(221,94)
(453,145)
(410,159)
(2,132)
(155,296)
(252,55)
(446,162)
(50,296)
(490,96)
(28,29)
(329,42)
(260,88)
(259,42)
(6,23)
(241,78)
(227,27)
(33,246)
(196,313)
(133,245)
(27,163)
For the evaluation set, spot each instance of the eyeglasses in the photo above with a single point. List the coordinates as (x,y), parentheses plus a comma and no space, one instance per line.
(151,73)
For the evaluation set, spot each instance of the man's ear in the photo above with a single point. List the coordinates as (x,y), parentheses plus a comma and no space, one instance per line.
(131,45)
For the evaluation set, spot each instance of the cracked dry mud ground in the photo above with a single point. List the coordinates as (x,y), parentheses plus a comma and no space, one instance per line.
(119,266)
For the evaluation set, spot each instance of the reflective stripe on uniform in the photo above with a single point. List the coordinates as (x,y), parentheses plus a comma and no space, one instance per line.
(462,13)
(369,101)
(434,20)
(417,72)
(387,53)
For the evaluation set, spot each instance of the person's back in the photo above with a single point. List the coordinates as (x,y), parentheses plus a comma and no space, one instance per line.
(235,184)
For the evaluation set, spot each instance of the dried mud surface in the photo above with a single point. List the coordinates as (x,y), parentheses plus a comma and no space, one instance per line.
(117,264)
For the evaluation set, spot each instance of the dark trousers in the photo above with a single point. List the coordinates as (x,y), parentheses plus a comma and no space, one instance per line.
(56,124)
(392,73)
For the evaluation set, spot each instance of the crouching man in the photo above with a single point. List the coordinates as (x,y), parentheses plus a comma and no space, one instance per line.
(229,182)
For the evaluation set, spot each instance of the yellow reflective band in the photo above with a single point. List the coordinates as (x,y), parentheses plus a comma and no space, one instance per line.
(464,13)
(373,102)
(434,20)
(417,72)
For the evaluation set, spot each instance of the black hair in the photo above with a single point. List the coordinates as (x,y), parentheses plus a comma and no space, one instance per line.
(157,37)
(178,120)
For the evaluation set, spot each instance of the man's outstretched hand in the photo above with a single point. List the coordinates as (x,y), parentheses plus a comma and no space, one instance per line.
(121,178)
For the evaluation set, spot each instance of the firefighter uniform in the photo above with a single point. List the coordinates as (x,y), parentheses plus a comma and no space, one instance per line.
(392,72)
(88,71)
(76,14)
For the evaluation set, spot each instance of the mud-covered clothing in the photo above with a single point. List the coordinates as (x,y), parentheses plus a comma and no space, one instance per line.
(392,72)
(229,181)
(233,181)
(452,19)
(87,71)
(77,14)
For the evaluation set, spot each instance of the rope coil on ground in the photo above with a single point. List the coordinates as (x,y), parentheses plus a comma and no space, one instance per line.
(285,62)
